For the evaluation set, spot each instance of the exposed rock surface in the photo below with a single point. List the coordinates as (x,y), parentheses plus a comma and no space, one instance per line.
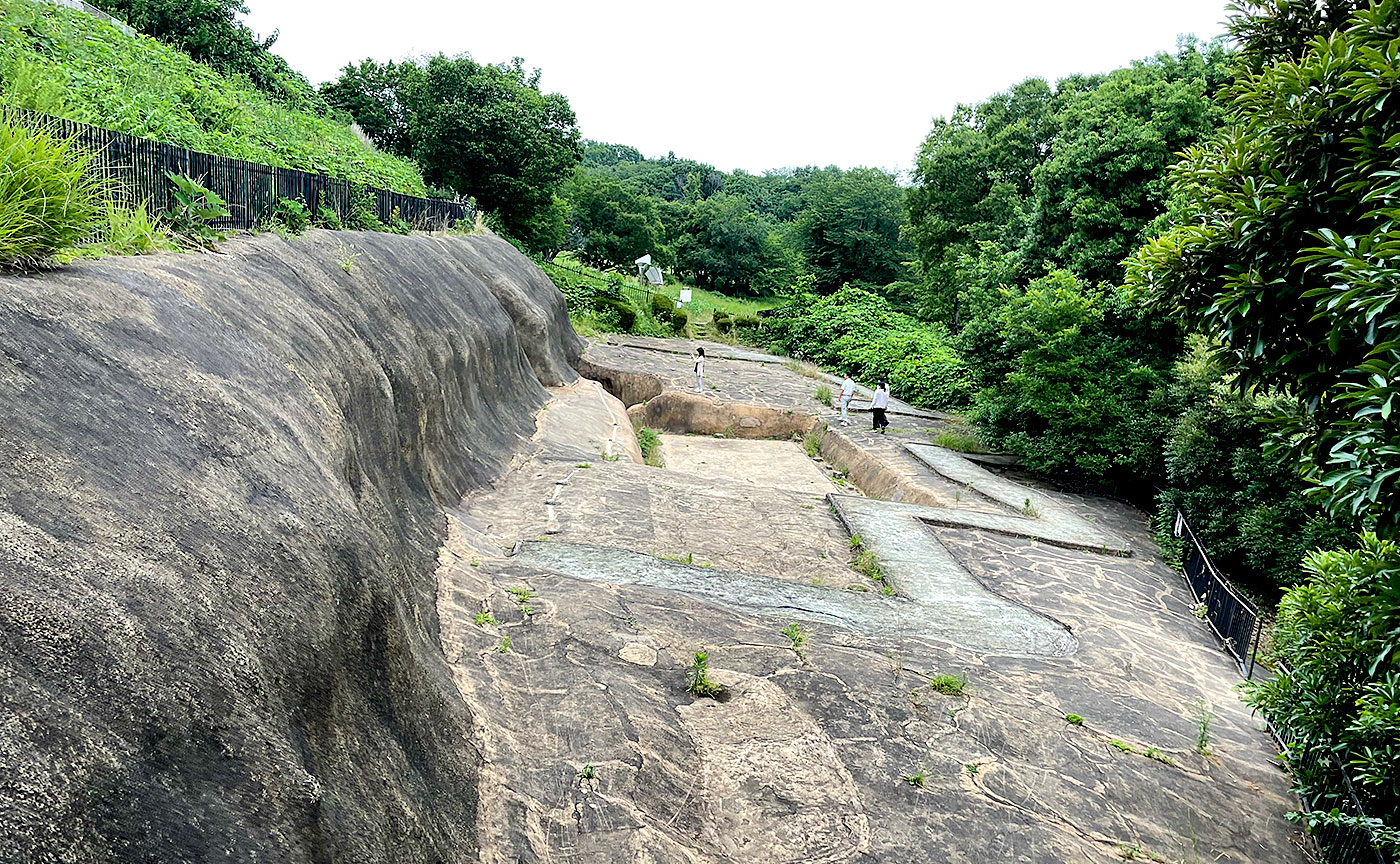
(866,736)
(221,480)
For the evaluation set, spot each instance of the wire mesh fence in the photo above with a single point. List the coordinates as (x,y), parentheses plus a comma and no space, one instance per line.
(135,170)
(1233,618)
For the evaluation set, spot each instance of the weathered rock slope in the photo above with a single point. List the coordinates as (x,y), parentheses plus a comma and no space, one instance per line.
(221,480)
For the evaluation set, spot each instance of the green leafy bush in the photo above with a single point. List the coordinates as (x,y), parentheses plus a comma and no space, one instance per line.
(1340,686)
(84,69)
(195,212)
(661,306)
(679,320)
(47,198)
(1249,507)
(291,215)
(858,331)
(1087,394)
(619,310)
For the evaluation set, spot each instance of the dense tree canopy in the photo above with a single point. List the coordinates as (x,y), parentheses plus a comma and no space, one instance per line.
(480,129)
(849,228)
(723,244)
(614,223)
(1071,176)
(1284,248)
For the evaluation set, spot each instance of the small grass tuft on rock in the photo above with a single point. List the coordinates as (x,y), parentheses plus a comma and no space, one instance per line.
(697,677)
(798,637)
(948,685)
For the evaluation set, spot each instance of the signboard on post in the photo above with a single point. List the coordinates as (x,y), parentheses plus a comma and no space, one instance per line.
(685,295)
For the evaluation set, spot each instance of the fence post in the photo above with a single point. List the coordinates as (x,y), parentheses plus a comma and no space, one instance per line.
(1254,647)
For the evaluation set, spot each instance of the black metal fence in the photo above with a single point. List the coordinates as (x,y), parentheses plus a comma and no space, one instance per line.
(1233,618)
(1320,773)
(1326,786)
(135,169)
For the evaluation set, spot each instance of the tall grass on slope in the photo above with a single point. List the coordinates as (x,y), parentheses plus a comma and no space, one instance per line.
(63,62)
(48,200)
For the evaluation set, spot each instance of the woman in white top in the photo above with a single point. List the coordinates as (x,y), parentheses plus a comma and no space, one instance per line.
(699,370)
(878,405)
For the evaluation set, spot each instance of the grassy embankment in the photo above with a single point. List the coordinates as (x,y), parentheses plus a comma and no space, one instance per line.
(66,63)
(580,282)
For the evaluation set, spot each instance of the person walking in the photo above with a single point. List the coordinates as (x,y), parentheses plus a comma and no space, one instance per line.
(699,370)
(848,392)
(878,407)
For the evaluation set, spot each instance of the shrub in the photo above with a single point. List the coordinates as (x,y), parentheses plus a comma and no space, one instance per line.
(1248,507)
(661,306)
(1340,687)
(195,212)
(724,322)
(328,218)
(680,319)
(1087,391)
(291,215)
(47,198)
(859,330)
(622,310)
(823,395)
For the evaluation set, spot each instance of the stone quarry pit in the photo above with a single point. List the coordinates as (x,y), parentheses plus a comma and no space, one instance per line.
(312,565)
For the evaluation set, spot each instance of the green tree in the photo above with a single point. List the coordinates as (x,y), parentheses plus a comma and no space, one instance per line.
(972,181)
(1284,248)
(849,230)
(1086,394)
(1105,182)
(546,231)
(723,245)
(480,129)
(375,95)
(614,223)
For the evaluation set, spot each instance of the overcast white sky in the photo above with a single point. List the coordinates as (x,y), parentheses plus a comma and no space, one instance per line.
(755,84)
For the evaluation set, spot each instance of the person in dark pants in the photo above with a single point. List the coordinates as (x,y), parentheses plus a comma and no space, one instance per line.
(879,405)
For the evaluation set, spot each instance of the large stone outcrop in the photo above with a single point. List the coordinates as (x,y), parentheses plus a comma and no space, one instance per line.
(221,480)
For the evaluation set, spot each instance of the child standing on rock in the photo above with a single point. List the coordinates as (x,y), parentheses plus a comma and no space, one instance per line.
(699,370)
(879,405)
